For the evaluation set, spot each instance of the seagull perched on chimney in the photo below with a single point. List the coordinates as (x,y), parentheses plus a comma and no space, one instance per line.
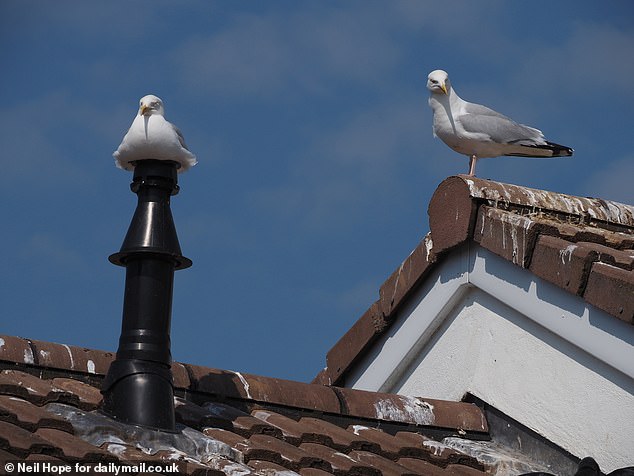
(152,137)
(478,132)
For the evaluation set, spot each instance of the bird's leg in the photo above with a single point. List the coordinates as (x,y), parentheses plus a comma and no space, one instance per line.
(472,164)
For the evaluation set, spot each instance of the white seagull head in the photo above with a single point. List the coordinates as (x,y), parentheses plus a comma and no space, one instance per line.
(438,82)
(150,104)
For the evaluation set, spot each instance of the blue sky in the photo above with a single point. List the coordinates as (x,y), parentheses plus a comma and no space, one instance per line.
(316,157)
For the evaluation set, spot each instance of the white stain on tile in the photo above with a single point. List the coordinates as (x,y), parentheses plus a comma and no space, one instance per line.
(412,409)
(566,255)
(356,429)
(45,356)
(28,356)
(244,383)
(70,354)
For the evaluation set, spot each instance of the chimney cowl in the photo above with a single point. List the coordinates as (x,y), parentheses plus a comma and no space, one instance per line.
(138,388)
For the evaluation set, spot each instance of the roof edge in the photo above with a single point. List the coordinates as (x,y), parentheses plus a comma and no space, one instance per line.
(25,355)
(462,203)
(597,212)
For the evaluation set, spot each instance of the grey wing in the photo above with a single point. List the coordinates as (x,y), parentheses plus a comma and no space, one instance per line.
(501,129)
(181,139)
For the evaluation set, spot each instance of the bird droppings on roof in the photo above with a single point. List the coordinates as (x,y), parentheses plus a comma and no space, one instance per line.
(90,366)
(494,456)
(429,245)
(566,254)
(239,424)
(28,356)
(543,202)
(70,355)
(98,429)
(244,382)
(412,409)
(227,423)
(583,245)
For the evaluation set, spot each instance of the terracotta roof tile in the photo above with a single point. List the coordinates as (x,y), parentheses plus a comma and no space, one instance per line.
(452,215)
(16,349)
(267,467)
(396,288)
(295,394)
(623,259)
(88,397)
(125,451)
(22,442)
(386,466)
(583,245)
(611,289)
(253,387)
(224,467)
(384,406)
(415,444)
(320,431)
(42,458)
(420,466)
(226,436)
(507,235)
(238,421)
(291,430)
(562,263)
(340,462)
(6,456)
(247,424)
(361,334)
(181,376)
(268,448)
(195,416)
(31,417)
(313,472)
(460,470)
(388,445)
(27,386)
(73,448)
(49,354)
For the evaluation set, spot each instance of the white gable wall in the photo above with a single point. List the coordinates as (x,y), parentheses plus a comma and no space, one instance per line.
(537,353)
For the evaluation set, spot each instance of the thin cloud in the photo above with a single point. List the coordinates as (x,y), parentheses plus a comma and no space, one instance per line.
(347,166)
(591,58)
(306,49)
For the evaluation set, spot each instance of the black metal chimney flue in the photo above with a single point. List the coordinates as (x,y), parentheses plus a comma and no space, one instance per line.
(139,387)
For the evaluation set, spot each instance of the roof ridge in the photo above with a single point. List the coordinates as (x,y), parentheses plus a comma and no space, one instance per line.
(593,240)
(270,392)
(598,212)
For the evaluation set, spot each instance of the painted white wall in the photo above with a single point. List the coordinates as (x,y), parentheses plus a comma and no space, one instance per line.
(541,355)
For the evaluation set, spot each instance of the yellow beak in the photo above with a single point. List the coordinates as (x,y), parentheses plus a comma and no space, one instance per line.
(444,88)
(143,109)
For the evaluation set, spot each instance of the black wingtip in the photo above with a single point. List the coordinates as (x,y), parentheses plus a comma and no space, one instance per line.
(544,151)
(559,150)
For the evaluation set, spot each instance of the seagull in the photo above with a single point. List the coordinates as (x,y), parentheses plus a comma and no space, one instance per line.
(152,137)
(478,132)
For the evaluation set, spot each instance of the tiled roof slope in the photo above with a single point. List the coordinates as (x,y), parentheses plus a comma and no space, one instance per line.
(583,245)
(231,423)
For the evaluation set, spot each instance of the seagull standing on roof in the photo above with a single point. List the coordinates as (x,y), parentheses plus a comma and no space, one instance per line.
(152,137)
(478,132)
